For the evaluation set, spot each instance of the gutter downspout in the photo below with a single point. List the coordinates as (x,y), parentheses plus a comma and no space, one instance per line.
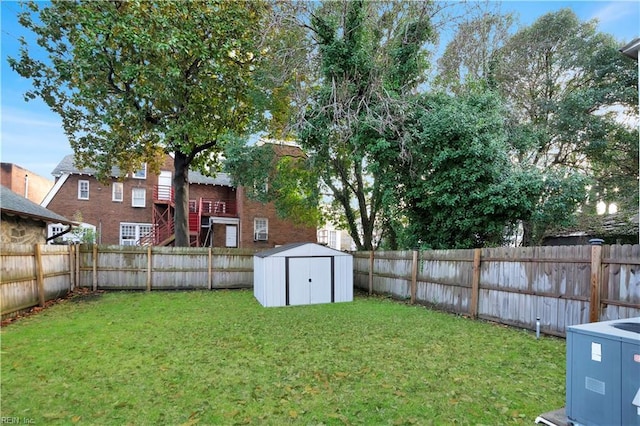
(60,234)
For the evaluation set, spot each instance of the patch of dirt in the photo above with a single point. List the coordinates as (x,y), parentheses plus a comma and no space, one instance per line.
(79,295)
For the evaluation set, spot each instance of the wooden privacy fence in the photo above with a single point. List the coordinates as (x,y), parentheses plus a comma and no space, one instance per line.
(32,275)
(562,286)
(164,268)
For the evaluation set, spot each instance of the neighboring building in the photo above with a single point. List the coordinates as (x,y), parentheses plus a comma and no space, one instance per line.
(615,228)
(25,183)
(138,209)
(23,221)
(336,239)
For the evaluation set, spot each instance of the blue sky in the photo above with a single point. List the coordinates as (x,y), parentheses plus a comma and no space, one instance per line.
(32,136)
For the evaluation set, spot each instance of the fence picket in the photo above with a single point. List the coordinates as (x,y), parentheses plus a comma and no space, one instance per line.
(515,285)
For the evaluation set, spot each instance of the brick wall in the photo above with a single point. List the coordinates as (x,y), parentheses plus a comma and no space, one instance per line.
(21,180)
(100,210)
(280,231)
(107,215)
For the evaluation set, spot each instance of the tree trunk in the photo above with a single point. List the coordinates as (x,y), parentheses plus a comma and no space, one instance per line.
(181,197)
(527,231)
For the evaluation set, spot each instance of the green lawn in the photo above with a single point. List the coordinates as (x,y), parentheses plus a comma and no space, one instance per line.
(220,358)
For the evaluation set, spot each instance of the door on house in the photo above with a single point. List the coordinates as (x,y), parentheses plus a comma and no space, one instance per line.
(309,280)
(164,185)
(231,237)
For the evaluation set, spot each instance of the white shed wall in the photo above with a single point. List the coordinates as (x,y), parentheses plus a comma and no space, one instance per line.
(259,279)
(343,279)
(275,288)
(270,280)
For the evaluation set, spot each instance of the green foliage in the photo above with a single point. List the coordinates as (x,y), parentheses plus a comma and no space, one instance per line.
(134,80)
(458,186)
(565,84)
(269,176)
(250,167)
(129,82)
(371,55)
(220,358)
(463,62)
(562,194)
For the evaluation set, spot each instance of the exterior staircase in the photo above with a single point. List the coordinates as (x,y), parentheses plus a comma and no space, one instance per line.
(163,233)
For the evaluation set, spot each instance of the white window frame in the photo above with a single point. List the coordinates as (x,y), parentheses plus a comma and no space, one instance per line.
(140,174)
(333,239)
(54,229)
(81,191)
(117,192)
(260,229)
(139,201)
(134,232)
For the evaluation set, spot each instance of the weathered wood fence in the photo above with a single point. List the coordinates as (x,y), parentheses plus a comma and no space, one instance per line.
(165,268)
(32,275)
(562,286)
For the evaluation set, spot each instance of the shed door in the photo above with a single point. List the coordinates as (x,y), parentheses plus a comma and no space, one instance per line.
(309,280)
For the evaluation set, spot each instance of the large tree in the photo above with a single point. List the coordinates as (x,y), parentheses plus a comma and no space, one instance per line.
(457,186)
(135,79)
(467,57)
(371,56)
(564,83)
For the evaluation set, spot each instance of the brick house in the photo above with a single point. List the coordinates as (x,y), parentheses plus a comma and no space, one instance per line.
(138,209)
(24,182)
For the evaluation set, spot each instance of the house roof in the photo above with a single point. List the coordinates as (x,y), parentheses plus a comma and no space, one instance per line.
(67,166)
(15,204)
(631,49)
(314,249)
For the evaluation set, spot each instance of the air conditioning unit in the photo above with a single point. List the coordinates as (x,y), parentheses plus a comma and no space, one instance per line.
(260,236)
(603,373)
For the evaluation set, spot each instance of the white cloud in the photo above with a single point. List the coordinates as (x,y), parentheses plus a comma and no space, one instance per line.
(611,12)
(12,116)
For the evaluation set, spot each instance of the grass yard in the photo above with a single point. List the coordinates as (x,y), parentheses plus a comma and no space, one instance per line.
(185,358)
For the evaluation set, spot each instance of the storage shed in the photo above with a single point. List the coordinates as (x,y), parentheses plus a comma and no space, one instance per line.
(302,274)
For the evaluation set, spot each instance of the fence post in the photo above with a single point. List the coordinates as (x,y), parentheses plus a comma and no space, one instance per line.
(95,267)
(39,274)
(149,268)
(596,279)
(72,259)
(475,283)
(414,276)
(77,264)
(370,272)
(210,270)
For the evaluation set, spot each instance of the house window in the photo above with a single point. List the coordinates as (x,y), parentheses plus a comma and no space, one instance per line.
(142,173)
(260,229)
(332,239)
(323,236)
(117,190)
(54,229)
(138,197)
(130,233)
(83,190)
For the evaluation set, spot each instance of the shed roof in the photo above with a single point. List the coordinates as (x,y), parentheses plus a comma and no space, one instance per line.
(288,247)
(67,165)
(15,204)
